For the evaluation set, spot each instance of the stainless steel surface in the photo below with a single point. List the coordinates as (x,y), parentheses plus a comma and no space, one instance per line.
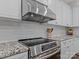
(35,41)
(36,12)
(39,46)
(47,54)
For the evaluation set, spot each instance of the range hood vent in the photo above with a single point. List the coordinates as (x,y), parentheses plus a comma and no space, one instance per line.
(36,12)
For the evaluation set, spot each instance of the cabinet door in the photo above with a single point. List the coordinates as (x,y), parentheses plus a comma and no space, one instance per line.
(70,19)
(63,13)
(52,5)
(66,49)
(75,47)
(76,16)
(56,7)
(10,9)
(67,15)
(69,48)
(19,56)
(59,12)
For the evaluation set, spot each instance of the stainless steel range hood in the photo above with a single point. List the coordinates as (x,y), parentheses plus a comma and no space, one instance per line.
(36,12)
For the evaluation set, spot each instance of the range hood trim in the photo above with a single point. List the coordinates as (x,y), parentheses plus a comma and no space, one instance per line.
(41,20)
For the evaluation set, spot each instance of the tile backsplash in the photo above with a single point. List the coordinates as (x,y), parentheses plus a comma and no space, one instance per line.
(12,31)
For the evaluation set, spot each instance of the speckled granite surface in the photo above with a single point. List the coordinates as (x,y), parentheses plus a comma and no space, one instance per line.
(11,48)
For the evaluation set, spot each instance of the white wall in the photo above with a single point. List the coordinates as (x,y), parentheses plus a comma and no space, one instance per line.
(10,31)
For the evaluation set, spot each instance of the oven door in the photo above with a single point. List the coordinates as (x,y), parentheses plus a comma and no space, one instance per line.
(43,48)
(48,54)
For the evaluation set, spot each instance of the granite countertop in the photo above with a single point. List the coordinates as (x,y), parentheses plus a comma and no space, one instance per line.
(11,48)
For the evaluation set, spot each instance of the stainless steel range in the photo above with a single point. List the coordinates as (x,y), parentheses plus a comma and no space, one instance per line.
(40,47)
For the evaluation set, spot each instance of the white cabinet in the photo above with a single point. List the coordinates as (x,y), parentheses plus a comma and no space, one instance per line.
(76,16)
(19,56)
(67,15)
(59,12)
(56,7)
(52,5)
(69,48)
(10,8)
(63,13)
(66,49)
(75,48)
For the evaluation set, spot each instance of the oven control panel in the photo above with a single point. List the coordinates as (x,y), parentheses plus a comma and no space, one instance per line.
(48,46)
